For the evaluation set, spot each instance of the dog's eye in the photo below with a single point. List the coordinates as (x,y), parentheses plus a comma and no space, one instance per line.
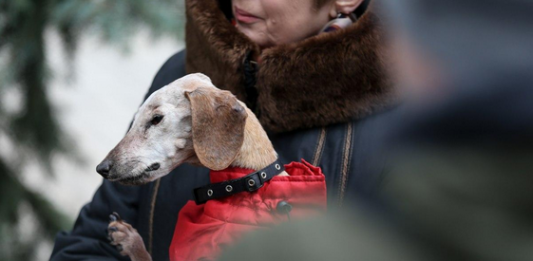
(156,119)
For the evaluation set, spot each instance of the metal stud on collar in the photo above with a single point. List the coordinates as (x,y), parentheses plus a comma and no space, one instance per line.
(210,193)
(251,182)
(263,175)
(229,188)
(277,166)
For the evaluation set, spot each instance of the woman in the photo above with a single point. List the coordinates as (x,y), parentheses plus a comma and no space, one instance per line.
(310,69)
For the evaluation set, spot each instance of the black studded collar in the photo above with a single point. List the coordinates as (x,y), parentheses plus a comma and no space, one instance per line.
(248,183)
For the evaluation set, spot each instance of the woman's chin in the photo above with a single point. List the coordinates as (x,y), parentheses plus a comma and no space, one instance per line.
(258,38)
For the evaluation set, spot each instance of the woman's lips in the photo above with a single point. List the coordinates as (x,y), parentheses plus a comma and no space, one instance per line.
(244,17)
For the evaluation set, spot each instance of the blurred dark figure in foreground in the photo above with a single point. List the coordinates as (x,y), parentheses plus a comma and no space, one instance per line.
(460,174)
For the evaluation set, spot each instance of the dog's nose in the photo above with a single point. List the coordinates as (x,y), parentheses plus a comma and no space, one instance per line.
(104,168)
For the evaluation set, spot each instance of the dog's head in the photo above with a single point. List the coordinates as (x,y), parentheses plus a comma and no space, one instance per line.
(189,120)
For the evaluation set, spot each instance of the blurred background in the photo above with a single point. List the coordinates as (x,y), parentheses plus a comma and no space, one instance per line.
(72,74)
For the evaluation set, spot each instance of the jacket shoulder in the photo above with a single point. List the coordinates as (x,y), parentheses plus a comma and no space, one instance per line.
(172,69)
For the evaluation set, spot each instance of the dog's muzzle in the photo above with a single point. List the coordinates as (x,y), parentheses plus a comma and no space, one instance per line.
(104,168)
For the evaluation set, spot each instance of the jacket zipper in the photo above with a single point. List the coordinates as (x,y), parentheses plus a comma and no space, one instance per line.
(345,163)
(319,147)
(151,220)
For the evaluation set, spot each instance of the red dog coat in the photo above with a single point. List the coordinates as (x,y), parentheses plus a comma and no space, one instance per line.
(202,231)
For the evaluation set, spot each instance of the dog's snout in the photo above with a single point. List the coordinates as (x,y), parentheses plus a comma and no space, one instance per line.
(104,168)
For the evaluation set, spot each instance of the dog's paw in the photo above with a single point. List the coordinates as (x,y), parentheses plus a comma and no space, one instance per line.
(124,236)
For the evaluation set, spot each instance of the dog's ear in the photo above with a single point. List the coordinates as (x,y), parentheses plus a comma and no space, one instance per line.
(218,121)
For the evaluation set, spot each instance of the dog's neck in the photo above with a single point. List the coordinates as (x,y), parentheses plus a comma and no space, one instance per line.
(257,151)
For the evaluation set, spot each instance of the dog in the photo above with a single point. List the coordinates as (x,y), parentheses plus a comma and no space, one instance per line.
(188,121)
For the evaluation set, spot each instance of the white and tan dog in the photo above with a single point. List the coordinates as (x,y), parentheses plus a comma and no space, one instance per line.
(187,121)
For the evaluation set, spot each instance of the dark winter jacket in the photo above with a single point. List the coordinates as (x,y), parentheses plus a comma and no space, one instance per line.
(321,100)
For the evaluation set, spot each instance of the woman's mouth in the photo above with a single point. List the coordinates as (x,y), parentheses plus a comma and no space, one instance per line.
(244,17)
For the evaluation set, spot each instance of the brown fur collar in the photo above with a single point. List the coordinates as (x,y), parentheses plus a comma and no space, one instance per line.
(326,79)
